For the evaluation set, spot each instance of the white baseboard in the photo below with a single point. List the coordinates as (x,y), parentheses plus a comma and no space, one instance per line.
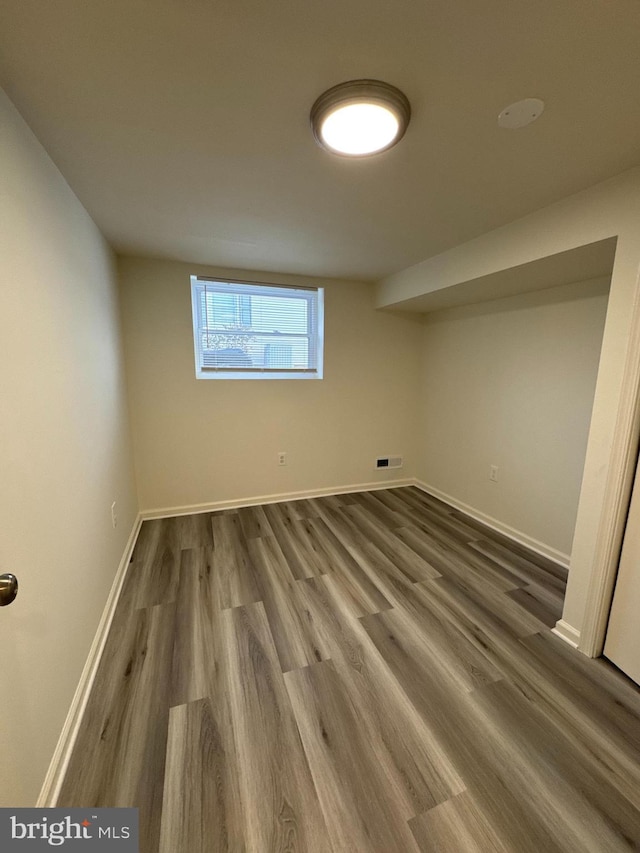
(193,509)
(567,633)
(60,761)
(517,535)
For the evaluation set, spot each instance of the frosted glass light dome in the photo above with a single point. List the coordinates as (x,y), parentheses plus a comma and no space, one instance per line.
(360,118)
(358,129)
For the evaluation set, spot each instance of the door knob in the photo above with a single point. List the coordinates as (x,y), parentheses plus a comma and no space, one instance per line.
(8,589)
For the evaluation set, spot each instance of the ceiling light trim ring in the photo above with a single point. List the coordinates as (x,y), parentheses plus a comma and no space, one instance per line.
(365,91)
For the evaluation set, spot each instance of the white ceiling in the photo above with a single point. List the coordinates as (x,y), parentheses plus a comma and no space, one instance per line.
(182,125)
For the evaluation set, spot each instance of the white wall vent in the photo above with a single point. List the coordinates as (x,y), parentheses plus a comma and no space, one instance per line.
(389,462)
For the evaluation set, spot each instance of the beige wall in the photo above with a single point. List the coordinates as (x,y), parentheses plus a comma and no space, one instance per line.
(510,383)
(64,450)
(202,441)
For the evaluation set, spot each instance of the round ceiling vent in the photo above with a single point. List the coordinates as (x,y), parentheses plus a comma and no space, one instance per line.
(521,113)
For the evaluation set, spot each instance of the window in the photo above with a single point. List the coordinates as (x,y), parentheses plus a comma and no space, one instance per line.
(256,331)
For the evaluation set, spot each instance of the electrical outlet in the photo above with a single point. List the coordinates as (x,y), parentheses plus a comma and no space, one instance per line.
(493,473)
(282,458)
(114,515)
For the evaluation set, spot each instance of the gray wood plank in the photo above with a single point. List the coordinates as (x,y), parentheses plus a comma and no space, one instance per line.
(280,809)
(602,719)
(572,797)
(390,578)
(236,577)
(524,568)
(153,573)
(458,562)
(119,755)
(405,559)
(254,522)
(298,542)
(197,651)
(367,789)
(423,618)
(467,739)
(191,531)
(457,825)
(201,810)
(546,605)
(294,636)
(378,508)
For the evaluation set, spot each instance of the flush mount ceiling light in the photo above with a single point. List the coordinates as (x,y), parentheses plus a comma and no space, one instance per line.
(360,118)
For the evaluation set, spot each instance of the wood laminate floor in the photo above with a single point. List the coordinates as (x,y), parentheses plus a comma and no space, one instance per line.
(366,673)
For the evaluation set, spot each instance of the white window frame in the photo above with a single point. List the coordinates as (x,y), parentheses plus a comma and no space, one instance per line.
(263,288)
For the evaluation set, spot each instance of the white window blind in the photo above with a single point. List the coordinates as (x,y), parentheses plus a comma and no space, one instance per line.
(244,330)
